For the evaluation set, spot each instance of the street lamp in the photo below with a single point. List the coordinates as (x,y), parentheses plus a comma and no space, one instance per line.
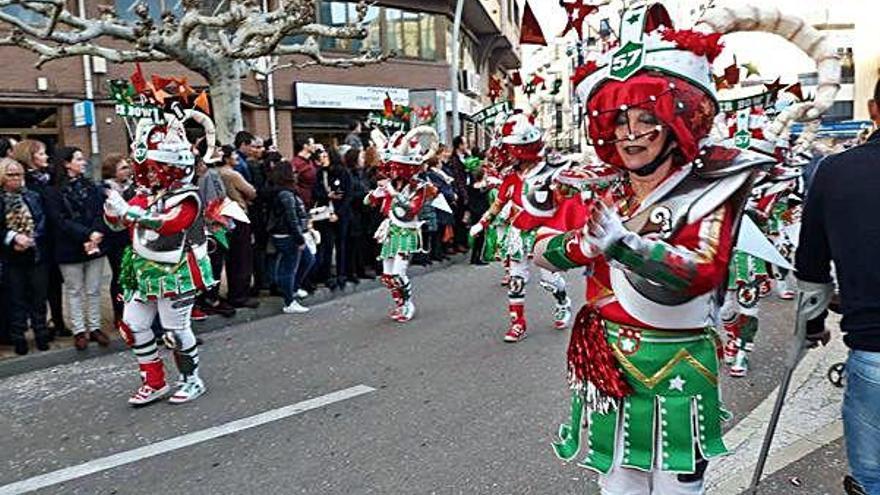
(453,69)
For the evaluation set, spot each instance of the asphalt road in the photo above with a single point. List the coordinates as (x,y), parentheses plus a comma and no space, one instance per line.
(444,407)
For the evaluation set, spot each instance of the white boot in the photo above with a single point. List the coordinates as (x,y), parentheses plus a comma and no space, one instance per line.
(191,389)
(406,313)
(562,315)
(147,394)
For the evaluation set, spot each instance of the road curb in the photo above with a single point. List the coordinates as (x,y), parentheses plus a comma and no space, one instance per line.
(269,306)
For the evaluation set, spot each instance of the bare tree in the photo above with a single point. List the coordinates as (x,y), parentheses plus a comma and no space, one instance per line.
(220,45)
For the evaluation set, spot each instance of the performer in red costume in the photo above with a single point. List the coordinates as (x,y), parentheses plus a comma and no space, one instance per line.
(643,355)
(400,199)
(527,201)
(167,264)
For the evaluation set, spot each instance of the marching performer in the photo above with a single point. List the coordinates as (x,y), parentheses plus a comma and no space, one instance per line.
(526,202)
(643,356)
(400,199)
(751,276)
(167,264)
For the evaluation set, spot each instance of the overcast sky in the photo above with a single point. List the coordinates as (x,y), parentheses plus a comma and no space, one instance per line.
(773,55)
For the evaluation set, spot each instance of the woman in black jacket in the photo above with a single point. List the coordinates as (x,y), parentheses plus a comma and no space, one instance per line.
(288,227)
(333,187)
(38,178)
(25,271)
(358,232)
(75,205)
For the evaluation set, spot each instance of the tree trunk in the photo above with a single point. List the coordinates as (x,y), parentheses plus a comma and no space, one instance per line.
(225,90)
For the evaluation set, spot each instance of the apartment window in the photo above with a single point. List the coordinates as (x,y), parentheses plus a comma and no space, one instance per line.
(428,33)
(411,34)
(408,34)
(125,9)
(409,29)
(26,15)
(393,34)
(558,118)
(338,14)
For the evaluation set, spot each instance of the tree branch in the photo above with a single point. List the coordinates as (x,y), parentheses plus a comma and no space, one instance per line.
(311,49)
(48,53)
(83,29)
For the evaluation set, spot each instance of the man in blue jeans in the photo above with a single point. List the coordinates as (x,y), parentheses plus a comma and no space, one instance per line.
(841,224)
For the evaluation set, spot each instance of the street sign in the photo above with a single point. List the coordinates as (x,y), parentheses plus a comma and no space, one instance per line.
(83,113)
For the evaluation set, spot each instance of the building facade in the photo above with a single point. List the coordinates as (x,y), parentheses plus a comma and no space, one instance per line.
(316,101)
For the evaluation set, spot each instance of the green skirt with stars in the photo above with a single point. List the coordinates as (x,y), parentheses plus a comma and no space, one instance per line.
(143,279)
(673,416)
(506,242)
(401,240)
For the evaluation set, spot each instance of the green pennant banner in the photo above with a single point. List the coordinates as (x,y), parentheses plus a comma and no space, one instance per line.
(762,100)
(489,113)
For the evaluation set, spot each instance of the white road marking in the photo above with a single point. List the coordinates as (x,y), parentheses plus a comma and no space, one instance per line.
(810,420)
(179,442)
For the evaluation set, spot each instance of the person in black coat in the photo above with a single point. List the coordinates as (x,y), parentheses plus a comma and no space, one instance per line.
(23,254)
(288,226)
(358,232)
(38,178)
(75,205)
(333,187)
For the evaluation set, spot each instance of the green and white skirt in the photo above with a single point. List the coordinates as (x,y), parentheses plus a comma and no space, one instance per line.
(674,414)
(143,279)
(401,240)
(505,242)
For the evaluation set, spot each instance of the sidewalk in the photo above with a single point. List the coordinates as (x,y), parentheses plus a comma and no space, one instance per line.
(63,352)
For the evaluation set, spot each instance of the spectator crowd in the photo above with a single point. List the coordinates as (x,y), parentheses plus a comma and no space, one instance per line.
(305,225)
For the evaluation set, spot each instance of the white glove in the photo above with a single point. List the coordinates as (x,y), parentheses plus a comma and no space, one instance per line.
(604,228)
(476,229)
(505,210)
(115,205)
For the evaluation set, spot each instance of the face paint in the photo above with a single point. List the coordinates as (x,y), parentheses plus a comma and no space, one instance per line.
(640,138)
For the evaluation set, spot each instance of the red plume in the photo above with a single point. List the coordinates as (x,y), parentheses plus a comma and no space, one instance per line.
(708,45)
(584,72)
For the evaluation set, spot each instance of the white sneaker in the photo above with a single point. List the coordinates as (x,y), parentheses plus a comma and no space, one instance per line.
(147,394)
(191,389)
(407,312)
(302,294)
(562,315)
(294,308)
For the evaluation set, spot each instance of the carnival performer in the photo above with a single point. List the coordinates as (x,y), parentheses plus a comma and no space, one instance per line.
(167,264)
(401,198)
(525,203)
(643,357)
(750,278)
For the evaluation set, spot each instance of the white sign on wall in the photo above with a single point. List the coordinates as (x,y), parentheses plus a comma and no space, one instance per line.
(313,95)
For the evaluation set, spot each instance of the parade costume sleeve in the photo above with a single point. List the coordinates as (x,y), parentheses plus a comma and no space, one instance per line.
(172,221)
(502,198)
(696,263)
